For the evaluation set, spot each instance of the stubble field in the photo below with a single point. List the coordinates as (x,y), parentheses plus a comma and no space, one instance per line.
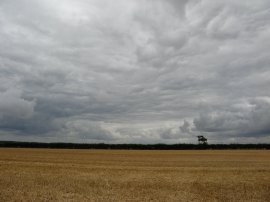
(130,175)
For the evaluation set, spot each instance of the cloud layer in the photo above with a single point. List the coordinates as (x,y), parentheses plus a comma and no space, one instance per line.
(134,71)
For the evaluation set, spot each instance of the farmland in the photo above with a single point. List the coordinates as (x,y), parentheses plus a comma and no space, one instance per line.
(134,175)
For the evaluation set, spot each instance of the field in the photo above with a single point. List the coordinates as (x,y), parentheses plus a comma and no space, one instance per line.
(130,175)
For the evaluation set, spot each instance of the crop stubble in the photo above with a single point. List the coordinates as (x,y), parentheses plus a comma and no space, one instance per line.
(134,175)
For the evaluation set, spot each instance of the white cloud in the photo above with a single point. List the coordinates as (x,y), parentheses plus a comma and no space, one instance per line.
(248,119)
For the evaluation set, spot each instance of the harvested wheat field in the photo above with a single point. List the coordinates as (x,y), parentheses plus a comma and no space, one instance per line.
(121,175)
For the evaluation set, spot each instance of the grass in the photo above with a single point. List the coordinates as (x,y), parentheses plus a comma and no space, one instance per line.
(129,175)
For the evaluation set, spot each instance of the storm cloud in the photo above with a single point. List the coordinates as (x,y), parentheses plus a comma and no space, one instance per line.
(135,71)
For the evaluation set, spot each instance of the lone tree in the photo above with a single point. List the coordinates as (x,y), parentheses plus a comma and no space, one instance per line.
(202,140)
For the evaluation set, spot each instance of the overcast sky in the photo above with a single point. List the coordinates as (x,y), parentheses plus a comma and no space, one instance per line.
(135,71)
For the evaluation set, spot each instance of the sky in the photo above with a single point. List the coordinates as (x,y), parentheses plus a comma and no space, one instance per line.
(135,71)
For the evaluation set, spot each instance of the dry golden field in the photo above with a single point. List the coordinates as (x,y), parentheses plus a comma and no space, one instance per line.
(121,175)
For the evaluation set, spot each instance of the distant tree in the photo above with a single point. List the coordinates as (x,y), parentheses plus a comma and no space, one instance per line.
(202,140)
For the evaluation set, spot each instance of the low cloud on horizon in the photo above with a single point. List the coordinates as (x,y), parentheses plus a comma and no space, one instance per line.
(135,71)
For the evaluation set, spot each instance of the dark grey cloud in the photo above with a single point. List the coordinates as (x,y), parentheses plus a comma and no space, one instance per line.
(134,71)
(13,105)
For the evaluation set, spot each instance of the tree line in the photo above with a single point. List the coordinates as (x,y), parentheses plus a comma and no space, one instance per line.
(60,145)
